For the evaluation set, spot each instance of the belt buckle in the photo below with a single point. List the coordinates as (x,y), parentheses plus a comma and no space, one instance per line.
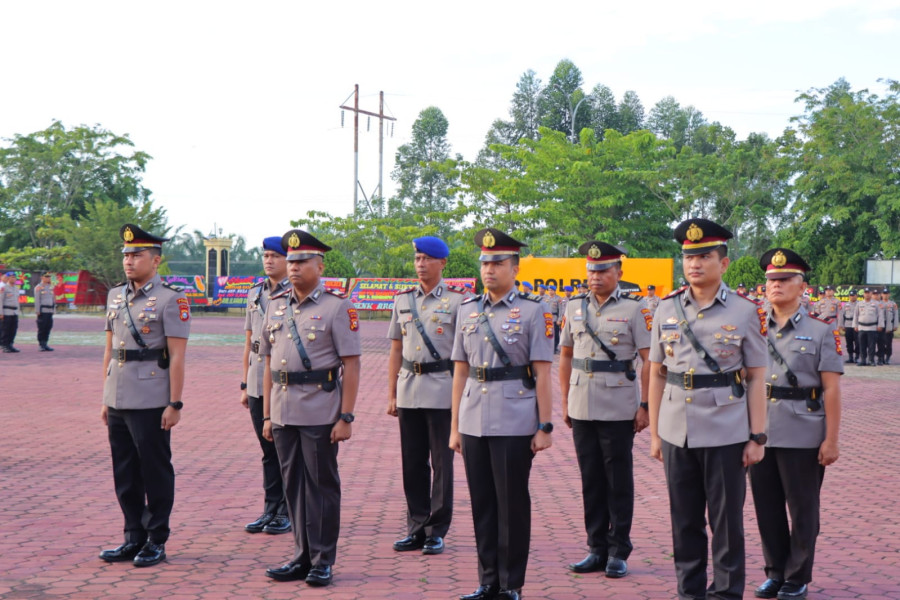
(120,354)
(768,390)
(282,377)
(480,374)
(417,368)
(688,381)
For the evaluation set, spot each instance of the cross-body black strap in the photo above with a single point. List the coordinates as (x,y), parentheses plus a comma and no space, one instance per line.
(304,357)
(776,356)
(492,337)
(629,368)
(686,328)
(129,322)
(420,327)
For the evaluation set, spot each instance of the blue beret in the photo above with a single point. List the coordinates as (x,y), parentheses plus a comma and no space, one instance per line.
(569,288)
(541,286)
(432,246)
(551,287)
(274,244)
(528,285)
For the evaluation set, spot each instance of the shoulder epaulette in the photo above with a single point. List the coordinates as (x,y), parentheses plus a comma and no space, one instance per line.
(407,290)
(471,299)
(582,295)
(280,294)
(166,284)
(337,293)
(532,297)
(676,292)
(120,284)
(756,302)
(816,318)
(258,284)
(631,296)
(458,289)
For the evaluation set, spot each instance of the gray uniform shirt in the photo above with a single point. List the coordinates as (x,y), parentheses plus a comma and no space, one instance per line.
(846,315)
(44,298)
(868,316)
(328,327)
(9,298)
(827,308)
(889,307)
(733,329)
(158,312)
(437,312)
(808,346)
(652,303)
(620,324)
(257,301)
(523,325)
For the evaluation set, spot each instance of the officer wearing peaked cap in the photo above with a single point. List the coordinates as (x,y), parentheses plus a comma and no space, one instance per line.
(501,411)
(44,307)
(147,327)
(845,321)
(9,313)
(802,422)
(705,424)
(603,334)
(868,321)
(827,307)
(891,321)
(311,347)
(420,376)
(274,519)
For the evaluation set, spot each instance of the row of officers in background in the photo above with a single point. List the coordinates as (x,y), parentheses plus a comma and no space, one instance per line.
(723,386)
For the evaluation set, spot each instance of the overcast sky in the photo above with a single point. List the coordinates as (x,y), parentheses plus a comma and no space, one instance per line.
(238,102)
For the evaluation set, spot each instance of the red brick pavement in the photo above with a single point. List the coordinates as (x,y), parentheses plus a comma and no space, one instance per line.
(58,509)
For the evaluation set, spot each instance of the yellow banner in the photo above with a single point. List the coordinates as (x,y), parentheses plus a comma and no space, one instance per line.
(572,271)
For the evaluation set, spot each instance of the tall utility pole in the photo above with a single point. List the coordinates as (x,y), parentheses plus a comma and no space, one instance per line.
(381,117)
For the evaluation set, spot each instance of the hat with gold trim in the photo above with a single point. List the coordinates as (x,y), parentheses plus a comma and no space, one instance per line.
(300,245)
(781,263)
(699,236)
(496,245)
(600,255)
(137,240)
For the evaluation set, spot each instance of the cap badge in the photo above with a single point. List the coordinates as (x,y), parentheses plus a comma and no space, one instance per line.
(128,236)
(594,252)
(488,240)
(694,233)
(294,240)
(779,260)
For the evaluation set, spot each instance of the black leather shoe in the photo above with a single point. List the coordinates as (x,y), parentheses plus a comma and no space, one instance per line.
(433,545)
(590,564)
(46,348)
(410,542)
(616,568)
(791,590)
(126,551)
(280,524)
(290,572)
(484,592)
(319,576)
(769,588)
(151,554)
(10,349)
(259,524)
(510,594)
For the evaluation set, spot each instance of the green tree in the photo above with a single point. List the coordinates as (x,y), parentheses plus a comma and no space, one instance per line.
(337,265)
(630,113)
(57,258)
(559,98)
(604,114)
(57,172)
(744,270)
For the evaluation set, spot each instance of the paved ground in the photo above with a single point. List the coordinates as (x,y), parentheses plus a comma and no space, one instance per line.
(58,509)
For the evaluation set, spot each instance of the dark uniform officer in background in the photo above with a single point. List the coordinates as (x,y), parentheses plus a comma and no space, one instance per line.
(706,426)
(274,519)
(44,307)
(9,312)
(868,321)
(803,418)
(501,411)
(848,309)
(311,347)
(147,327)
(602,335)
(886,346)
(420,377)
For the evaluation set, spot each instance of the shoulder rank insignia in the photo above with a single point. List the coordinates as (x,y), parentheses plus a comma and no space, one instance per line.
(458,289)
(471,299)
(335,292)
(527,296)
(676,292)
(280,294)
(407,290)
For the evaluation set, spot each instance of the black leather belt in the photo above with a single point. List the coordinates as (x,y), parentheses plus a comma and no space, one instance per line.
(689,381)
(123,355)
(589,365)
(482,374)
(421,368)
(792,393)
(298,377)
(867,324)
(254,347)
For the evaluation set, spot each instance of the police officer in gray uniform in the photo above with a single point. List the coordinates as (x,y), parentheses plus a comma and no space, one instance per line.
(845,316)
(803,418)
(44,307)
(274,519)
(501,411)
(311,347)
(827,307)
(705,424)
(9,313)
(147,328)
(868,321)
(420,376)
(603,334)
(886,340)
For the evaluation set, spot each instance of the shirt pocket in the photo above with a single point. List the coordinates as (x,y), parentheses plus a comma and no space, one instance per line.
(618,380)
(150,370)
(516,390)
(800,409)
(724,396)
(803,356)
(312,332)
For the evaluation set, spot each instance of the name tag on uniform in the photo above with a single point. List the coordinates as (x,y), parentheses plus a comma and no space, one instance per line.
(669,326)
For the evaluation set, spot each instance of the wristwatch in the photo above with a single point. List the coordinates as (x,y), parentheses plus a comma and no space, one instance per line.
(759,438)
(545,427)
(347,417)
(177,405)
(243,385)
(645,405)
